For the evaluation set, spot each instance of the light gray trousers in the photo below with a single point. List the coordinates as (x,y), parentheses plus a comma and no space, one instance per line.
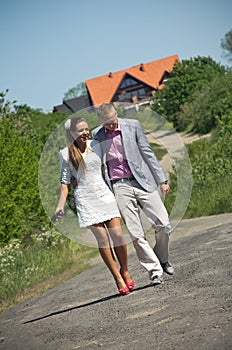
(130,198)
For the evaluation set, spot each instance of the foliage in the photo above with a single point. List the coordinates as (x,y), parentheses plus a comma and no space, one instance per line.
(21,120)
(21,144)
(5,105)
(21,210)
(211,162)
(76,91)
(226,45)
(159,151)
(186,79)
(207,107)
(149,120)
(212,167)
(49,254)
(42,124)
(89,115)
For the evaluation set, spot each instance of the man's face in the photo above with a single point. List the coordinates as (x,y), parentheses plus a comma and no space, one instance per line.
(110,123)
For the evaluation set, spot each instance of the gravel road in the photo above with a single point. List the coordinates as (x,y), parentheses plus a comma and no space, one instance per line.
(191,310)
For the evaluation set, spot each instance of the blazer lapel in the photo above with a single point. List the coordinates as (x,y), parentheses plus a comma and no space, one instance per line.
(100,136)
(124,132)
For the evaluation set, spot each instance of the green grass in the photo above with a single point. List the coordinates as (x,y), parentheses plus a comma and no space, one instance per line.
(158,150)
(211,199)
(211,180)
(31,269)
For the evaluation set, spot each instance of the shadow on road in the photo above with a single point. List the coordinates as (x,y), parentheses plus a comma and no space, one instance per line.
(84,305)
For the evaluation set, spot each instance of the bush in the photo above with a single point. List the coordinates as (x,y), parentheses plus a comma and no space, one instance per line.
(208,106)
(21,210)
(48,255)
(211,163)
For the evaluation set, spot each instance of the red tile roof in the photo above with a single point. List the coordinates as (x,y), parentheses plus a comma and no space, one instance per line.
(103,88)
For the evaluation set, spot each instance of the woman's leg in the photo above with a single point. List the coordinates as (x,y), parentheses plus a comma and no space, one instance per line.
(120,247)
(105,250)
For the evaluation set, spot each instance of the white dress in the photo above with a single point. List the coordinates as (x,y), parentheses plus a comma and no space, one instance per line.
(95,203)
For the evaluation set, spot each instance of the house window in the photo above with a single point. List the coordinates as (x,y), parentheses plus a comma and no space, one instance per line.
(130,94)
(141,92)
(127,83)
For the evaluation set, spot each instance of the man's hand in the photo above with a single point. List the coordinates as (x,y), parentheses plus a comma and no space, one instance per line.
(165,189)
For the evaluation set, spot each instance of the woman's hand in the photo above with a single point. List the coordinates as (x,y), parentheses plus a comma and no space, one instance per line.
(59,212)
(58,215)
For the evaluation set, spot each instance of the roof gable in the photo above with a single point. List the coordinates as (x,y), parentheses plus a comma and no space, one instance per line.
(127,75)
(74,104)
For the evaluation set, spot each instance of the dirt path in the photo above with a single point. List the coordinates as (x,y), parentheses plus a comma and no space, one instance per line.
(191,310)
(174,143)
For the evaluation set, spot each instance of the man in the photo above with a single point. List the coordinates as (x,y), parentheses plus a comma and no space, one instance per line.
(134,174)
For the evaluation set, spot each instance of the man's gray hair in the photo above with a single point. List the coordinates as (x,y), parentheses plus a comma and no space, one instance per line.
(105,111)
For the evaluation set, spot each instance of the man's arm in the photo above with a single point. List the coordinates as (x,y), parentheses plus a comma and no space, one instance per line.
(149,156)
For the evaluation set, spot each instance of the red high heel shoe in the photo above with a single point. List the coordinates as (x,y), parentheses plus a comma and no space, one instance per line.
(124,291)
(130,285)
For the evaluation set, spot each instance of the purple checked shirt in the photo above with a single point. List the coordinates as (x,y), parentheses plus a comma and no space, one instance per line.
(117,164)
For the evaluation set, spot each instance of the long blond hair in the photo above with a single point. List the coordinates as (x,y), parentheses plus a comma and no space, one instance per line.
(75,155)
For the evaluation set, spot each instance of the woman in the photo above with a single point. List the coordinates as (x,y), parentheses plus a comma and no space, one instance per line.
(95,203)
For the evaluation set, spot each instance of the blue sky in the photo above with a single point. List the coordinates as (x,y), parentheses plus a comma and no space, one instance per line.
(49,46)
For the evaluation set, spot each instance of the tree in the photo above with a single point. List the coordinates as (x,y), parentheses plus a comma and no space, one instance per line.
(226,45)
(5,105)
(186,79)
(21,209)
(76,91)
(208,107)
(23,133)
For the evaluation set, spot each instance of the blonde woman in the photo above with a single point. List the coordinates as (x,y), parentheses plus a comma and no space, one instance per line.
(95,203)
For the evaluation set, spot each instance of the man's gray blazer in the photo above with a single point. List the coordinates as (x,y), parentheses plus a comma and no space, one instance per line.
(141,159)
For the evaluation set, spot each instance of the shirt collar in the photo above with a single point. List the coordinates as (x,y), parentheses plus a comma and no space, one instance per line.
(111,132)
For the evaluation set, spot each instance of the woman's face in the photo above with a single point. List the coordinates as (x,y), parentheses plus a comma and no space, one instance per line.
(81,133)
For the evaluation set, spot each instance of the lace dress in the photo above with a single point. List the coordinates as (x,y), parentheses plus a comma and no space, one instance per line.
(94,200)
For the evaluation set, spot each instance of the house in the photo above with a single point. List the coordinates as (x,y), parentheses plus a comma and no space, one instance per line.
(73,105)
(133,85)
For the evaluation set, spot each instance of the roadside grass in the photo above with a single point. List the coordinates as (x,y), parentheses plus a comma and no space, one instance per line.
(27,270)
(158,150)
(206,198)
(211,199)
(211,180)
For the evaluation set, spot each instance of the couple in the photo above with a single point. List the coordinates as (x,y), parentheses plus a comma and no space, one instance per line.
(133,173)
